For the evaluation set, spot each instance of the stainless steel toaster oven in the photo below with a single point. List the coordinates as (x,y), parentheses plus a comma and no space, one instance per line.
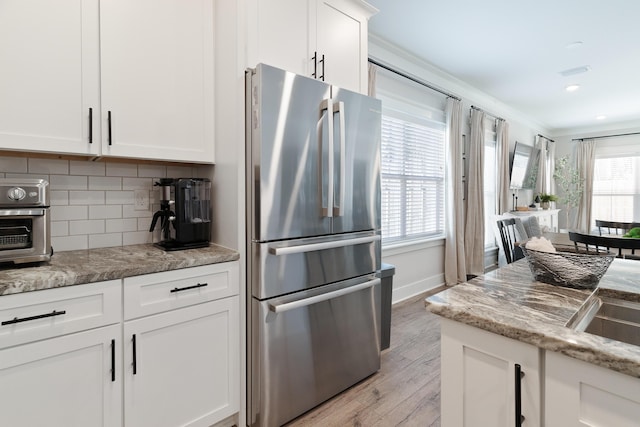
(25,231)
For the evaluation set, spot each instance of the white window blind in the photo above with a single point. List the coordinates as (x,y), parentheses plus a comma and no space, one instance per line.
(412,178)
(616,189)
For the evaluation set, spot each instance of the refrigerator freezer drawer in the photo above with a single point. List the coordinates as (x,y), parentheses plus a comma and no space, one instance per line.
(309,346)
(283,267)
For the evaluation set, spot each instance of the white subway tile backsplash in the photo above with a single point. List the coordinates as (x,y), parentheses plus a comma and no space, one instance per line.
(86,197)
(93,226)
(137,183)
(66,182)
(122,169)
(13,164)
(92,203)
(152,171)
(85,167)
(105,240)
(105,183)
(119,197)
(69,213)
(58,198)
(105,211)
(136,238)
(121,225)
(59,228)
(70,243)
(48,166)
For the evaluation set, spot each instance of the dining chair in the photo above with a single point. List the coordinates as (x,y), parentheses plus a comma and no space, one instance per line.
(594,243)
(508,236)
(613,227)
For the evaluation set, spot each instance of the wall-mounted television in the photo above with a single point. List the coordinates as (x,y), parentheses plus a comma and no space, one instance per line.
(524,166)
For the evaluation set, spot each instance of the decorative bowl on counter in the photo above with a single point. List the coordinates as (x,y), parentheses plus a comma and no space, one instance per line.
(568,267)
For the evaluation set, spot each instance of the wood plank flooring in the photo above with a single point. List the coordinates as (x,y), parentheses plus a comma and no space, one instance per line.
(406,389)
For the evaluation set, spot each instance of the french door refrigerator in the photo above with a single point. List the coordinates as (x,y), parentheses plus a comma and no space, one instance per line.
(313,242)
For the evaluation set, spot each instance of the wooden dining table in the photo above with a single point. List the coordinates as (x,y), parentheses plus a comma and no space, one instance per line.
(563,239)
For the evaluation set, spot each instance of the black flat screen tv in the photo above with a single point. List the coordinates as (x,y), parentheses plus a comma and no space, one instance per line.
(524,166)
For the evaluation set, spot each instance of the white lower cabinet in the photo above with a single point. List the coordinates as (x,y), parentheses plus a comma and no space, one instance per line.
(70,381)
(478,377)
(581,394)
(182,366)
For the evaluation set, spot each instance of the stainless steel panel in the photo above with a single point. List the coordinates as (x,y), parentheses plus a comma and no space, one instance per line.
(305,355)
(282,267)
(289,154)
(357,135)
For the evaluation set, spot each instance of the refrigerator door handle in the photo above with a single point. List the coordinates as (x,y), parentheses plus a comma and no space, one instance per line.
(338,206)
(281,308)
(328,210)
(288,250)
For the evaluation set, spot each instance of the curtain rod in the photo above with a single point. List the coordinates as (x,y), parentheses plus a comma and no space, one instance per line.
(488,113)
(548,139)
(413,79)
(606,136)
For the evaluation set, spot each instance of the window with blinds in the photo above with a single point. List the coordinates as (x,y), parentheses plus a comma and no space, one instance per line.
(412,178)
(412,159)
(616,189)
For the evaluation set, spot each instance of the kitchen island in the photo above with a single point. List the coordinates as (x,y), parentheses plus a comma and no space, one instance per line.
(504,322)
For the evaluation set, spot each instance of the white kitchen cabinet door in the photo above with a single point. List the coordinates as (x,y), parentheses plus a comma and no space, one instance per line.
(322,39)
(63,382)
(341,37)
(157,79)
(182,366)
(49,77)
(581,394)
(478,378)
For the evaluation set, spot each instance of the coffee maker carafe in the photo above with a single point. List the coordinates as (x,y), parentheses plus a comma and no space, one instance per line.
(185,213)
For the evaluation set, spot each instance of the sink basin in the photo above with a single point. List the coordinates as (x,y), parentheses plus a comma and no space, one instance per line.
(612,318)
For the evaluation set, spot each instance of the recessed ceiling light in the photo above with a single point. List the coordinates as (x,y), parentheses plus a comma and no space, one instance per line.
(577,70)
(572,88)
(601,117)
(574,45)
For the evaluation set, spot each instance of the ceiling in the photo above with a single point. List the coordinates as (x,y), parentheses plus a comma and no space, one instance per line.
(514,51)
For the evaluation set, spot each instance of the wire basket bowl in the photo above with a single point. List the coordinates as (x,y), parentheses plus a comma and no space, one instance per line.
(568,267)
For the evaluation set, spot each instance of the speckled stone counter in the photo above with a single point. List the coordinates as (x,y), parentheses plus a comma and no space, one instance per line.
(94,265)
(510,303)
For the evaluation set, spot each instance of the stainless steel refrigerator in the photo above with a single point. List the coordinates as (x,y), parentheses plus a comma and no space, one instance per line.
(313,242)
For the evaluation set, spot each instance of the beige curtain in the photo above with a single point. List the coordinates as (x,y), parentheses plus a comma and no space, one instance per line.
(454,258)
(503,201)
(474,224)
(585,163)
(542,180)
(372,79)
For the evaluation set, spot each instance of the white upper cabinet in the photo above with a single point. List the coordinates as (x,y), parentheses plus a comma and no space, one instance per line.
(49,76)
(323,39)
(117,78)
(157,79)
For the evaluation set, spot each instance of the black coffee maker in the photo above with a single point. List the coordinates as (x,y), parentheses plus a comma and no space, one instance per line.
(185,213)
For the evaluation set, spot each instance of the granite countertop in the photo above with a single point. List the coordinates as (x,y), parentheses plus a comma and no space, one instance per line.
(95,265)
(510,303)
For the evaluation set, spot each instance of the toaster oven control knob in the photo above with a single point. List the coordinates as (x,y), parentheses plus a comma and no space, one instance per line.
(17,193)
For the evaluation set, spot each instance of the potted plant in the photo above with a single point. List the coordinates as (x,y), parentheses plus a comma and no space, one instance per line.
(568,180)
(545,199)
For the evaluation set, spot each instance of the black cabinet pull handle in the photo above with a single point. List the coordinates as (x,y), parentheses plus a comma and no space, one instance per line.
(135,359)
(322,61)
(199,285)
(113,360)
(26,319)
(315,65)
(518,377)
(109,126)
(90,125)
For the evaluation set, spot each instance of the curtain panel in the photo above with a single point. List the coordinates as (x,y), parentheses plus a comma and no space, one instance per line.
(502,142)
(454,254)
(585,163)
(474,225)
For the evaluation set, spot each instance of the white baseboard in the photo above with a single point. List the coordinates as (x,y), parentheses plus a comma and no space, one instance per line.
(415,288)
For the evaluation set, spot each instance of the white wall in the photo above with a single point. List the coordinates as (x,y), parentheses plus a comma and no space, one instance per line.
(420,267)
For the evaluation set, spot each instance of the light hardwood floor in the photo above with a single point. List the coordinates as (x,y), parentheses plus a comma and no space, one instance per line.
(406,389)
